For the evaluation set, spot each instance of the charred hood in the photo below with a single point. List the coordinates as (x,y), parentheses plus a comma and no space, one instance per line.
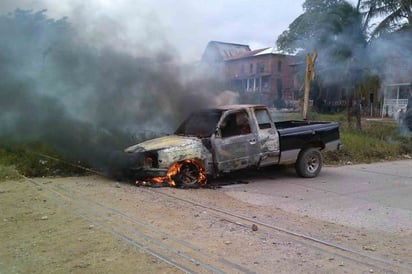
(163,143)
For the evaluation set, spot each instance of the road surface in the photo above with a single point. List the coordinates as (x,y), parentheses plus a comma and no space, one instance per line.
(373,196)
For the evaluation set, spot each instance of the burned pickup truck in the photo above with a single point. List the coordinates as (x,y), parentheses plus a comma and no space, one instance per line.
(215,141)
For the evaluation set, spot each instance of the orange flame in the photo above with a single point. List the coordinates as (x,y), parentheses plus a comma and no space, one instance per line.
(173,170)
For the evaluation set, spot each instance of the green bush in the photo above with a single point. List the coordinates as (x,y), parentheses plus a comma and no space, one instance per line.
(378,140)
(33,159)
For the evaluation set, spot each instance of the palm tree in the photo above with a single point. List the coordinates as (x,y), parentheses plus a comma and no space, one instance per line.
(391,15)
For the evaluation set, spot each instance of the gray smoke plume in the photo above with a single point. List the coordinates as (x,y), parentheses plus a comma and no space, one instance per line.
(85,93)
(390,55)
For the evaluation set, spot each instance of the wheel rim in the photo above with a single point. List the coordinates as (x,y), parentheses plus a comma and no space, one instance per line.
(189,174)
(312,163)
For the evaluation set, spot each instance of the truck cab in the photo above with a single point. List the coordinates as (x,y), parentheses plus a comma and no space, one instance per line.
(245,137)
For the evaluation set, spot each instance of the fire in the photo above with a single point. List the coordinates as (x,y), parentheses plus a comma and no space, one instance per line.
(174,171)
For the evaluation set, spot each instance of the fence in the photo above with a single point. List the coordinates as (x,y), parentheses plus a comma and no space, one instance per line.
(391,107)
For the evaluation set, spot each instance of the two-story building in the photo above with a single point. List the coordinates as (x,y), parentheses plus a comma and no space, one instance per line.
(264,73)
(260,76)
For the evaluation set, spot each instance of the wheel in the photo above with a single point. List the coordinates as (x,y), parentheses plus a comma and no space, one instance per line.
(309,163)
(188,176)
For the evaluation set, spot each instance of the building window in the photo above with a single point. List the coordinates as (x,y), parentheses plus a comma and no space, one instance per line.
(279,66)
(265,83)
(252,85)
(279,87)
(251,68)
(260,68)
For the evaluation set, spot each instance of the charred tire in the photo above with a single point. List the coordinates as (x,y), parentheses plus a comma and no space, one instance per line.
(309,163)
(188,176)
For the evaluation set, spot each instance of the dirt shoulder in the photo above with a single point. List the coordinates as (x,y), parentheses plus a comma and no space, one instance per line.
(43,230)
(38,236)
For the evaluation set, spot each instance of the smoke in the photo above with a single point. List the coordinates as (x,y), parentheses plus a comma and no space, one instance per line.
(390,54)
(351,70)
(86,90)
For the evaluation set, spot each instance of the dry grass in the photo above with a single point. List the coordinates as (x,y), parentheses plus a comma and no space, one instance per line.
(9,173)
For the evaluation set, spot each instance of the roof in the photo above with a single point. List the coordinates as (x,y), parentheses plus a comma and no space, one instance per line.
(219,51)
(271,50)
(239,106)
(257,52)
(247,54)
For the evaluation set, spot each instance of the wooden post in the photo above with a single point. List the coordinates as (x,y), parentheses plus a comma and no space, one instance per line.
(309,76)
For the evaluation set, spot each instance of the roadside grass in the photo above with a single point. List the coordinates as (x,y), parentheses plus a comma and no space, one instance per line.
(9,173)
(361,147)
(379,140)
(30,159)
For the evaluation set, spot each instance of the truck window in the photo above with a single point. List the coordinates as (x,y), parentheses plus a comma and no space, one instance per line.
(263,118)
(235,124)
(201,124)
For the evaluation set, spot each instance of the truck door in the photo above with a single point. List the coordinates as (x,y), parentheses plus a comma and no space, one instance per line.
(235,143)
(268,138)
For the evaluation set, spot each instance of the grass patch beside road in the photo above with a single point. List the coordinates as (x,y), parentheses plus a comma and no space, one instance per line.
(27,159)
(8,173)
(361,147)
(379,140)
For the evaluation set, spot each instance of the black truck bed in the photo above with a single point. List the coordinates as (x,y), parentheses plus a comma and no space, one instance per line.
(294,133)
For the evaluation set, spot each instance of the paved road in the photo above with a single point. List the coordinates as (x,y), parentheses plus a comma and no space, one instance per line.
(374,196)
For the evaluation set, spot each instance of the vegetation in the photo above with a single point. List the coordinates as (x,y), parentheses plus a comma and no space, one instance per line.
(379,140)
(335,30)
(352,44)
(32,160)
(9,173)
(393,15)
(341,31)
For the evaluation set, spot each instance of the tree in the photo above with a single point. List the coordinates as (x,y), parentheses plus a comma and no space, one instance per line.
(392,15)
(333,25)
(336,31)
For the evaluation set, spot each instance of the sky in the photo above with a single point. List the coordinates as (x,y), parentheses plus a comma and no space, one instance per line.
(184,26)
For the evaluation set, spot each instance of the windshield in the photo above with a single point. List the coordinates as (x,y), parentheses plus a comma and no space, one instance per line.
(201,124)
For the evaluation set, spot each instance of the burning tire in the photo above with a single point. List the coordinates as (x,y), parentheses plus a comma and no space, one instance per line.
(189,175)
(309,163)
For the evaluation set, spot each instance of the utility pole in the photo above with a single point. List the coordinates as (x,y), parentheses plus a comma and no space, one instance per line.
(309,76)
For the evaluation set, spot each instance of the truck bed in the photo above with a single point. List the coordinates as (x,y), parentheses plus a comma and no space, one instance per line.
(294,134)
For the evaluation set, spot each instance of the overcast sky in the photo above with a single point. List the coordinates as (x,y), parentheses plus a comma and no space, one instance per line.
(185,25)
